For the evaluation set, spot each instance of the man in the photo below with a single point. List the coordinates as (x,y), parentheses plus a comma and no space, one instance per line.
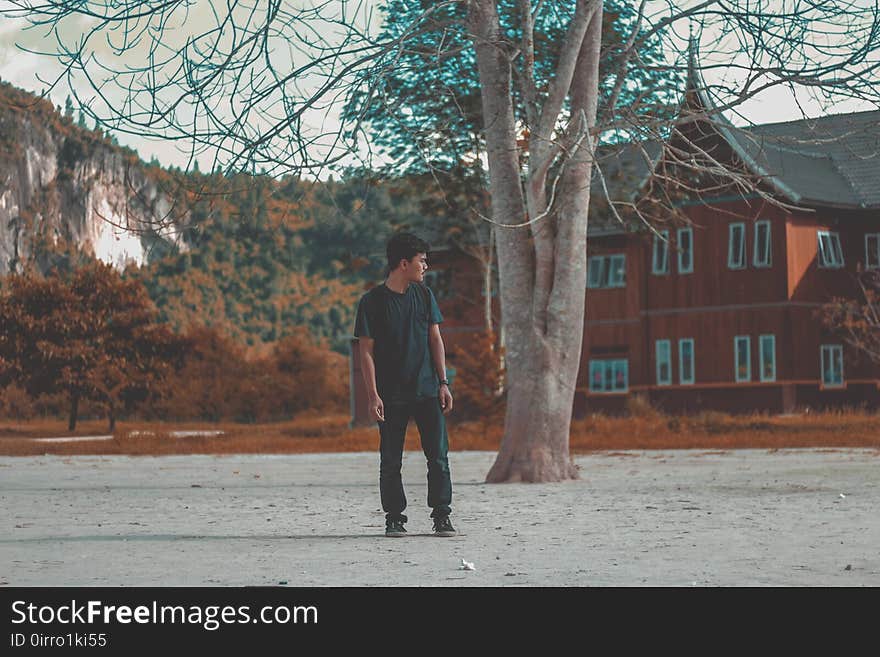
(404,366)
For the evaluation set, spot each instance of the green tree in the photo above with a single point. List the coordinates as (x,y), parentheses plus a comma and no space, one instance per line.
(250,270)
(425,112)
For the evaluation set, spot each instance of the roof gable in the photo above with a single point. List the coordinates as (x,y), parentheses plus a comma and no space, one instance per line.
(833,160)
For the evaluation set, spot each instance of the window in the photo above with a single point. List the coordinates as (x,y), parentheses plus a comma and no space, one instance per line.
(767,348)
(830,254)
(685,243)
(736,246)
(761,257)
(660,264)
(686,360)
(742,358)
(832,365)
(597,271)
(663,351)
(617,271)
(607,271)
(609,375)
(440,282)
(872,251)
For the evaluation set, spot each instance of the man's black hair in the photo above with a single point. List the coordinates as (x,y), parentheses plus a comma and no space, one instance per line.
(404,246)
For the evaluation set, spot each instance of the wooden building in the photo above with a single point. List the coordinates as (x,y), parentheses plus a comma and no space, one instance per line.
(718,309)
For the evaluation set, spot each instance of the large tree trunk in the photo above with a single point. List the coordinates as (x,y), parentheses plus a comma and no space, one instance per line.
(487,284)
(542,275)
(536,428)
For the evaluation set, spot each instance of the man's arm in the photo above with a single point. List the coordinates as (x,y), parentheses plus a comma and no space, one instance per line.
(368,369)
(438,354)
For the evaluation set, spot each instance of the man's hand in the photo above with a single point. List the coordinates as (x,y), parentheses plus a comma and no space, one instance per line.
(377,408)
(445,399)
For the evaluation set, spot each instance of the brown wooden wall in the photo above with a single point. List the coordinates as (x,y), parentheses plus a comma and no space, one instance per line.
(713,334)
(807,337)
(617,302)
(714,304)
(807,282)
(712,283)
(613,340)
(463,307)
(711,305)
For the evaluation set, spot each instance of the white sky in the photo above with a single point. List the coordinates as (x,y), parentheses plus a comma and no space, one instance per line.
(21,69)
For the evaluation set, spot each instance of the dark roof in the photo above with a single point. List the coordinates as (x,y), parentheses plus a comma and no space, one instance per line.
(830,161)
(620,173)
(833,160)
(622,169)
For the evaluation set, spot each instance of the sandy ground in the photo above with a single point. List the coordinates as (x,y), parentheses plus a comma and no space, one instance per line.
(673,518)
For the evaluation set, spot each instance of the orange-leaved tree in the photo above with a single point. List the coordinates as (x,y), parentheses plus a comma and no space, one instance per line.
(209,382)
(91,334)
(309,376)
(857,318)
(479,378)
(222,380)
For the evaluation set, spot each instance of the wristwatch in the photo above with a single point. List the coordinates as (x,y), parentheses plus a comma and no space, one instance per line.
(444,382)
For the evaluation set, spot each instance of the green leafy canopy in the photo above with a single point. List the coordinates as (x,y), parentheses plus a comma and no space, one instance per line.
(423,113)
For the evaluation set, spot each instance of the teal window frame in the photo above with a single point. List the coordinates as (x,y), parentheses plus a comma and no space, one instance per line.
(762,259)
(682,269)
(607,370)
(685,376)
(606,271)
(872,263)
(661,249)
(833,354)
(736,261)
(738,341)
(762,353)
(658,350)
(830,251)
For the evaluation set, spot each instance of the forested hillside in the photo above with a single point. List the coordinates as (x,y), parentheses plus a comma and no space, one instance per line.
(244,287)
(262,257)
(254,257)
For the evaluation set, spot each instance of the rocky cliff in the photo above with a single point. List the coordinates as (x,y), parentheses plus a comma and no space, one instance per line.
(62,182)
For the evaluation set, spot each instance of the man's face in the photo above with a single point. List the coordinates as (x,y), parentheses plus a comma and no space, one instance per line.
(416,267)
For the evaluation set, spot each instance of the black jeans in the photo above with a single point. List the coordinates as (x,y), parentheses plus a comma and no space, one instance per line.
(435,444)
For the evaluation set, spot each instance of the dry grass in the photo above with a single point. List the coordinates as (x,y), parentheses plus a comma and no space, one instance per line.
(712,430)
(310,433)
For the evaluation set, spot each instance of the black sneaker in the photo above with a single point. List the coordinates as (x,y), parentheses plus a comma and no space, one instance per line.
(394,528)
(443,527)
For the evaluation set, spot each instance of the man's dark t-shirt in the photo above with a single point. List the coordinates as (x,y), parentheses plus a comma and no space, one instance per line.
(399,325)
